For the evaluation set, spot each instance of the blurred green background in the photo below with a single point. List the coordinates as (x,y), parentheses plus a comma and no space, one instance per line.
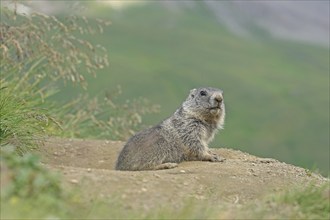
(276,88)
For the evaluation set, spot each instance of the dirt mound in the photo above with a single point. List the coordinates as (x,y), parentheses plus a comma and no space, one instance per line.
(241,178)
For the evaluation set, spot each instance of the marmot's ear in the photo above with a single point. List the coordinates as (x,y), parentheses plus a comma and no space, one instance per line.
(192,93)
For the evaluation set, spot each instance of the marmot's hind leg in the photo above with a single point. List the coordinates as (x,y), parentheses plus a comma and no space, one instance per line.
(166,166)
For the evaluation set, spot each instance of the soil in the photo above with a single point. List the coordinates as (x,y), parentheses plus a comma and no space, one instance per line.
(89,164)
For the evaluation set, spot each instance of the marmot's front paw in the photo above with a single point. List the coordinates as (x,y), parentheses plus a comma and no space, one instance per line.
(212,157)
(215,157)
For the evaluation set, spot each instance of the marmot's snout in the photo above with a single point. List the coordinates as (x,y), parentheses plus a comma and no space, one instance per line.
(217,105)
(216,100)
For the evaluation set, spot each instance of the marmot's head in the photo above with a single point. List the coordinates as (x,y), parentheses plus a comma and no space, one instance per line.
(206,104)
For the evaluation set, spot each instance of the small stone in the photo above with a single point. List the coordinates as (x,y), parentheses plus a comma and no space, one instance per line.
(52,218)
(89,170)
(74,181)
(267,160)
(182,171)
(199,197)
(252,171)
(144,189)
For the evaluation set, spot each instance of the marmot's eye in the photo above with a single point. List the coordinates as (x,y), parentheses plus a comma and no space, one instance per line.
(203,93)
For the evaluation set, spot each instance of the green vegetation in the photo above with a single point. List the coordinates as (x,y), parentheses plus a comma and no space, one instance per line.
(308,202)
(24,177)
(32,64)
(277,92)
(21,125)
(39,54)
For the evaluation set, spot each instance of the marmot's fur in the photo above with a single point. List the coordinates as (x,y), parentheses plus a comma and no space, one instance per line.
(183,136)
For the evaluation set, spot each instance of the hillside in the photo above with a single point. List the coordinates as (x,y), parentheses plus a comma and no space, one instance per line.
(244,186)
(305,21)
(276,91)
(221,187)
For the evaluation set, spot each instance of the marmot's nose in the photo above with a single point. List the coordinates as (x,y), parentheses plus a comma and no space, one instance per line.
(218,98)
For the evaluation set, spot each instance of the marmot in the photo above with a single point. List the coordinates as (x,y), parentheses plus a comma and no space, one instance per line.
(182,137)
